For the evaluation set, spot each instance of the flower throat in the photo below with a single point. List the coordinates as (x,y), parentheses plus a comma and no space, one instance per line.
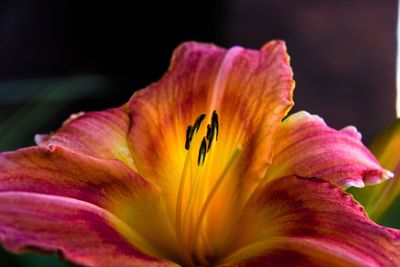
(196,191)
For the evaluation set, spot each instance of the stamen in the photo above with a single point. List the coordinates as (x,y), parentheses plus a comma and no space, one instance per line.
(217,184)
(202,152)
(191,130)
(209,132)
(197,123)
(189,136)
(179,207)
(188,218)
(215,124)
(209,136)
(194,196)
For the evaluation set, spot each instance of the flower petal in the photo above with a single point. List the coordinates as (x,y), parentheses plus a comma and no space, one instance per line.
(101,134)
(307,147)
(250,90)
(108,184)
(83,233)
(310,222)
(378,198)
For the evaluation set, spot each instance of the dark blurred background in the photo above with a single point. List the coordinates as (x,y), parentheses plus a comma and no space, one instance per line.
(62,57)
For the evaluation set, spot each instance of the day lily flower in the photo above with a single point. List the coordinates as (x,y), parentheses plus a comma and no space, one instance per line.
(377,199)
(198,169)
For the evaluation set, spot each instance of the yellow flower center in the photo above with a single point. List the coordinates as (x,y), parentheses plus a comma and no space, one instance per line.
(198,186)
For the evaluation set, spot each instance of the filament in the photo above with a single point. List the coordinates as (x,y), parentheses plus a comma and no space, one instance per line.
(206,204)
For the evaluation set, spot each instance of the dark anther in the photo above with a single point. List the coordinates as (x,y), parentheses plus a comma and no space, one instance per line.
(215,124)
(209,132)
(191,130)
(202,152)
(209,136)
(189,135)
(197,123)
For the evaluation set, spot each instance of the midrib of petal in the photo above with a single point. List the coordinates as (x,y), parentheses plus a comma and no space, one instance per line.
(222,77)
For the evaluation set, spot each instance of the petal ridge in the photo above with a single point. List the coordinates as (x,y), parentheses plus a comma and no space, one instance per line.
(306,146)
(83,132)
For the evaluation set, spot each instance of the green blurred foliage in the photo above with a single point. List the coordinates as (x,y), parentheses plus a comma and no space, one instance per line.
(392,216)
(381,201)
(30,259)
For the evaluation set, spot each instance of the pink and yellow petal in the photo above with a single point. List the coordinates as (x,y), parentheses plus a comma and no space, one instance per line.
(300,221)
(253,93)
(377,199)
(83,233)
(59,171)
(161,113)
(250,90)
(306,146)
(101,134)
(107,184)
